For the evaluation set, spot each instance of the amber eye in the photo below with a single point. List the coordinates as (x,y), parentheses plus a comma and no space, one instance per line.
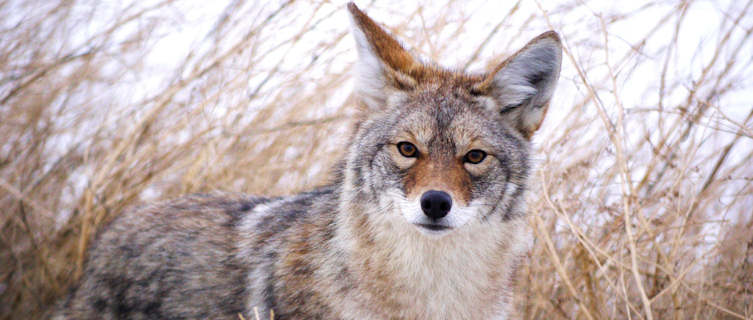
(407,149)
(475,156)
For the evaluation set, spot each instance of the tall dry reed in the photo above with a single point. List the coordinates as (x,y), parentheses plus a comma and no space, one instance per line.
(641,198)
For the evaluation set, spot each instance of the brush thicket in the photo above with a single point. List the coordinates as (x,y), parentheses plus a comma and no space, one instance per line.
(640,201)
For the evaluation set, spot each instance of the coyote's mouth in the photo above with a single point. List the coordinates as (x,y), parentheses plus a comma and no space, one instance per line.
(433,226)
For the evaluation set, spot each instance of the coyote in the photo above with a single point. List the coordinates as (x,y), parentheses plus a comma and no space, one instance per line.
(425,218)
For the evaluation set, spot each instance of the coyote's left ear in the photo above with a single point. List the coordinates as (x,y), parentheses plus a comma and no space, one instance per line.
(383,66)
(524,83)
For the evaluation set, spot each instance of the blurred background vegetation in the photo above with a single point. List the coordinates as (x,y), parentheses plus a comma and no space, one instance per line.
(641,198)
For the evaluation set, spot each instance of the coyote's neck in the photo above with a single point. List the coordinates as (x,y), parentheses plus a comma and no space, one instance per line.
(462,275)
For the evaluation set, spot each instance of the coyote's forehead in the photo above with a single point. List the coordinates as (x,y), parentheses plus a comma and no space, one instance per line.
(445,121)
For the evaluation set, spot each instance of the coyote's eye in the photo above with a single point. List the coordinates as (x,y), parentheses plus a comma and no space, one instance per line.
(475,156)
(407,149)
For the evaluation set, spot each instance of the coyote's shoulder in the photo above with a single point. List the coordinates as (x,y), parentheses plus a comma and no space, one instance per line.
(424,218)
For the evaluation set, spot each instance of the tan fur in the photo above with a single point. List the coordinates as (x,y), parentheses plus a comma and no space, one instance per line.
(438,174)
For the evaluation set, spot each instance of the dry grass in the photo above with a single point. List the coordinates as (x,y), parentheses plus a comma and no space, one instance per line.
(640,203)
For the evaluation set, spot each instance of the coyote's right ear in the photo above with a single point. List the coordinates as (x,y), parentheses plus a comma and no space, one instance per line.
(383,64)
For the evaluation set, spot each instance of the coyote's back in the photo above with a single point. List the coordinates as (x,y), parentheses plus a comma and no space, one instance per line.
(424,219)
(175,260)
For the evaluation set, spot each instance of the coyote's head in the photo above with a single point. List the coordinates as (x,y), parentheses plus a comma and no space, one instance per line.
(442,148)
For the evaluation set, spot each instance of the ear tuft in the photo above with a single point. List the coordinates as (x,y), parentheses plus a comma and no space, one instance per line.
(523,85)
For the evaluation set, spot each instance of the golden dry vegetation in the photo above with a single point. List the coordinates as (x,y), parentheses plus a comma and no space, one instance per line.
(641,198)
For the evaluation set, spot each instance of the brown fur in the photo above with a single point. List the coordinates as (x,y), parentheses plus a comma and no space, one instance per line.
(438,174)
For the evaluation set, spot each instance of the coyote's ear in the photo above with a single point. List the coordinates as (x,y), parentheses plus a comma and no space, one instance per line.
(383,64)
(524,83)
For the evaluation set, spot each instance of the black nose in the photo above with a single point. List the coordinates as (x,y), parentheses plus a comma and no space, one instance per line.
(436,204)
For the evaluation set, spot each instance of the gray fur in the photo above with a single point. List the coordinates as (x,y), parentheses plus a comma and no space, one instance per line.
(354,249)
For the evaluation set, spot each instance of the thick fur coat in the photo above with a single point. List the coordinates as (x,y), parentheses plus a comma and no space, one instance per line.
(425,219)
